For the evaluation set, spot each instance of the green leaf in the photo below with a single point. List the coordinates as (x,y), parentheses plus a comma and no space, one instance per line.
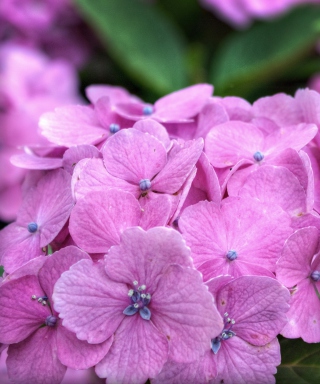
(1,270)
(265,52)
(141,39)
(300,363)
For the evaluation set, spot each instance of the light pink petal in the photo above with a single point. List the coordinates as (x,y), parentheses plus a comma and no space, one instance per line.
(296,137)
(32,267)
(91,175)
(30,161)
(211,115)
(19,314)
(230,142)
(237,108)
(155,129)
(276,185)
(158,247)
(178,168)
(304,313)
(18,246)
(72,125)
(308,101)
(184,310)
(156,211)
(89,303)
(35,359)
(107,116)
(77,153)
(56,264)
(78,354)
(97,221)
(138,352)
(197,372)
(242,363)
(310,187)
(258,305)
(232,179)
(298,251)
(204,232)
(116,94)
(280,108)
(133,155)
(184,103)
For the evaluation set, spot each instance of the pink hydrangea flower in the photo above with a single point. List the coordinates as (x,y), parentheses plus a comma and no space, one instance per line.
(44,211)
(241,237)
(148,295)
(299,269)
(31,326)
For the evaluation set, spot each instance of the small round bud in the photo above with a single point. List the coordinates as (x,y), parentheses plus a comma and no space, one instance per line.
(232,255)
(258,156)
(32,227)
(145,184)
(147,110)
(315,276)
(51,321)
(114,128)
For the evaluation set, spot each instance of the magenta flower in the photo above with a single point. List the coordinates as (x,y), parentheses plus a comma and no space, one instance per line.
(31,326)
(44,211)
(241,237)
(254,310)
(299,269)
(148,295)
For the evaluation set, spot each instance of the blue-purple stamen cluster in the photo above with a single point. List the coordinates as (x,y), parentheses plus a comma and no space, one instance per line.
(139,301)
(144,184)
(225,334)
(315,276)
(147,110)
(114,128)
(232,255)
(32,227)
(51,321)
(258,156)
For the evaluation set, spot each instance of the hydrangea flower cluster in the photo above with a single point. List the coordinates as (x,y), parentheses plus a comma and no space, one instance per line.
(240,13)
(171,242)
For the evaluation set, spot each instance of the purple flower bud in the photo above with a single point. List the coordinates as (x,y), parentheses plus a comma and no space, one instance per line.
(32,227)
(258,156)
(315,276)
(147,110)
(130,310)
(51,321)
(114,128)
(145,313)
(232,255)
(145,184)
(215,345)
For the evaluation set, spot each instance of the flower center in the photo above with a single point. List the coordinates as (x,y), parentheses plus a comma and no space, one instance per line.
(114,128)
(147,110)
(51,321)
(32,227)
(232,255)
(315,276)
(225,334)
(145,184)
(258,156)
(139,301)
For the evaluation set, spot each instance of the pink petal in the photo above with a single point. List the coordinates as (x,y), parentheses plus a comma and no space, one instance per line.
(230,142)
(298,251)
(184,310)
(258,304)
(156,211)
(35,359)
(138,352)
(30,161)
(166,245)
(76,153)
(78,354)
(89,303)
(211,115)
(97,221)
(72,125)
(177,169)
(155,129)
(132,155)
(242,363)
(184,103)
(19,314)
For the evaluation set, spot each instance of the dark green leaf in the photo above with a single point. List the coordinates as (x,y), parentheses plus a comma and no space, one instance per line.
(1,270)
(300,362)
(265,52)
(141,39)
